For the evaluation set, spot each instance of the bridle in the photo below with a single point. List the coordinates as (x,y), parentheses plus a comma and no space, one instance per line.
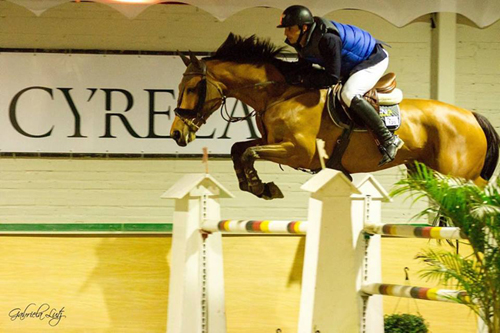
(195,118)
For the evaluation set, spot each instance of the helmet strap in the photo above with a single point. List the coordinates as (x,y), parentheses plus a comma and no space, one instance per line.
(297,44)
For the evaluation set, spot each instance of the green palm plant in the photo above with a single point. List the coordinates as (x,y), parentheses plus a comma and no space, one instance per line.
(476,211)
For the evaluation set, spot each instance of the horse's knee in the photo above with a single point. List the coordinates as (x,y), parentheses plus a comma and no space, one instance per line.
(249,156)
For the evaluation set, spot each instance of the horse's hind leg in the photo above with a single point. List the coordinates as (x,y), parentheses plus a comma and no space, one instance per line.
(480,181)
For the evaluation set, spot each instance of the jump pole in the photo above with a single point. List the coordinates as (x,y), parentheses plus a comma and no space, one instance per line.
(430,294)
(256,227)
(409,231)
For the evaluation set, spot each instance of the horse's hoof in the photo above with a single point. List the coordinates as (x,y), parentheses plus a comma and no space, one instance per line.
(271,191)
(257,189)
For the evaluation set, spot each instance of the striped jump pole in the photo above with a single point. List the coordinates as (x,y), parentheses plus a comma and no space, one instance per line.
(256,227)
(431,294)
(404,230)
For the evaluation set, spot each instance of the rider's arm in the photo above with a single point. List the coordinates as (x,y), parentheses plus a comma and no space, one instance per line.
(329,46)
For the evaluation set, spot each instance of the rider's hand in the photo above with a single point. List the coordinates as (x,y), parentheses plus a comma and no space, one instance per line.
(294,79)
(318,80)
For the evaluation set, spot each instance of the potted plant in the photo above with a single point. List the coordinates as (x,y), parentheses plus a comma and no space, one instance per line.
(476,211)
(405,323)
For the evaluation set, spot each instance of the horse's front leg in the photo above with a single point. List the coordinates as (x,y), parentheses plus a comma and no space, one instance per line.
(237,151)
(272,152)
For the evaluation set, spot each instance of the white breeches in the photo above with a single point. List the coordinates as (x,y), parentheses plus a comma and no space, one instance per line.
(362,81)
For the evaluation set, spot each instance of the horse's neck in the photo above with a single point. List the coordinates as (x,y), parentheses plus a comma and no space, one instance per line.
(247,82)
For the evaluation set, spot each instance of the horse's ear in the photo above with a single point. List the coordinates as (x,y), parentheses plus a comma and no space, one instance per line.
(185,59)
(194,60)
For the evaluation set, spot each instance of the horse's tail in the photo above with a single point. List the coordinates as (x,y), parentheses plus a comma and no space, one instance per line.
(493,141)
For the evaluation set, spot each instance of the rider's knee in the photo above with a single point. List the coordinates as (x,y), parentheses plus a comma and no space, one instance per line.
(347,96)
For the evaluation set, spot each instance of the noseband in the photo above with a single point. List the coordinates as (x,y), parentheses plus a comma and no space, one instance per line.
(194,118)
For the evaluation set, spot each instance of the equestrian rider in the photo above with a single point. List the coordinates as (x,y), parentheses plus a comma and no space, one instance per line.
(346,53)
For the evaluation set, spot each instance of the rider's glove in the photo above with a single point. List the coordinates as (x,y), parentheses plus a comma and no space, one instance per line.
(318,80)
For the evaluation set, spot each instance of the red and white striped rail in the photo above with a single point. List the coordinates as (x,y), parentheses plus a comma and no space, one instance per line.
(300,227)
(405,230)
(256,227)
(431,294)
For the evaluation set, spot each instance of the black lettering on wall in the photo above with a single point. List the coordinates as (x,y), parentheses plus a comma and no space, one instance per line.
(92,93)
(109,116)
(78,122)
(13,115)
(153,112)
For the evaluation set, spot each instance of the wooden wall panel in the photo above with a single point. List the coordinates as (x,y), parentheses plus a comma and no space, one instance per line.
(104,284)
(109,284)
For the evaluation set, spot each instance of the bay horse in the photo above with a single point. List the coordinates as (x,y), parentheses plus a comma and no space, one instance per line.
(446,138)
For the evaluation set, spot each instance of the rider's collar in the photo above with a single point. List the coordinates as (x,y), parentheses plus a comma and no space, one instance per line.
(295,46)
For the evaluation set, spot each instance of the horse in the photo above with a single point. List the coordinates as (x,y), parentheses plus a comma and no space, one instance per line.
(446,138)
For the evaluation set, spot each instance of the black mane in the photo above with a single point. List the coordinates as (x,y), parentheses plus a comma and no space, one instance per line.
(251,49)
(258,51)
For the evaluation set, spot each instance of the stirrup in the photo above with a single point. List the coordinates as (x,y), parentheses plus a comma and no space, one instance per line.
(397,143)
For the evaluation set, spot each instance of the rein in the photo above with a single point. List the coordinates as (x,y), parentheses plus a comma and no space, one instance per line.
(195,118)
(230,119)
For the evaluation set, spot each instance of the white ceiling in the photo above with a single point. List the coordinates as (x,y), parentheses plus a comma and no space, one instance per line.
(398,12)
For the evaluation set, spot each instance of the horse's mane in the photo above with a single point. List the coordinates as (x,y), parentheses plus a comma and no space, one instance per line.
(258,51)
(251,49)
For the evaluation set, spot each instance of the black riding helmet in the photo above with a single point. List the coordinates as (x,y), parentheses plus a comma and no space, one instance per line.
(296,15)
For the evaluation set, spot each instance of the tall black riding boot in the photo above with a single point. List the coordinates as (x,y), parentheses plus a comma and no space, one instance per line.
(389,144)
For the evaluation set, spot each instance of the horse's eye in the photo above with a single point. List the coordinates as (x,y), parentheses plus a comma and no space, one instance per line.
(190,90)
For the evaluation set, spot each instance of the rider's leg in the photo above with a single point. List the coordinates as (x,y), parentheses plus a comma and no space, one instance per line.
(389,144)
(354,88)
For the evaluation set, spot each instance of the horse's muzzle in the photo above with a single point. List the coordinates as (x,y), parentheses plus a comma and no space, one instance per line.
(177,136)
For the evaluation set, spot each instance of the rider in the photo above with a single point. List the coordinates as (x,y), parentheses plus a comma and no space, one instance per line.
(346,53)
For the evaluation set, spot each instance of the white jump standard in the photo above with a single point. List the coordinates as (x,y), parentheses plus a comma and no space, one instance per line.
(340,215)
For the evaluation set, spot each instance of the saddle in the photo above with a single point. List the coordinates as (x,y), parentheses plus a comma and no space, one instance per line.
(384,97)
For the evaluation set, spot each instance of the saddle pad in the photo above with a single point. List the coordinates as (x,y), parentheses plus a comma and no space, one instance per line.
(391,116)
(394,97)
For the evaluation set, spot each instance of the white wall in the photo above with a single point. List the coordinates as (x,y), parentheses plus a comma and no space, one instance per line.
(478,69)
(115,190)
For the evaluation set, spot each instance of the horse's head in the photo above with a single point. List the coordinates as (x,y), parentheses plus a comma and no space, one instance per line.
(199,96)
